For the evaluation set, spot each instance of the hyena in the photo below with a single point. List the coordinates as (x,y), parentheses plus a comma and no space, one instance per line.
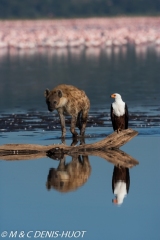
(71,100)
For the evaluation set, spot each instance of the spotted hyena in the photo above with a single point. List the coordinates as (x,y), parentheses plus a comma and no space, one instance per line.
(71,100)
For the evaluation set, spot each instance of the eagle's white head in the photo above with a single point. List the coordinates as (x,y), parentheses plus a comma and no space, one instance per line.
(116,96)
(118,105)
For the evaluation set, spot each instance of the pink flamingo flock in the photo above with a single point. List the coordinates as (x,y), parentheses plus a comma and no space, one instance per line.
(92,32)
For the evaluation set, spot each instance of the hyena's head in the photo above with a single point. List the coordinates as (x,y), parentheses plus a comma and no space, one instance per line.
(53,99)
(57,180)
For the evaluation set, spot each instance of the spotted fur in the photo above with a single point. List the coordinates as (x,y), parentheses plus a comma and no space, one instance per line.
(71,100)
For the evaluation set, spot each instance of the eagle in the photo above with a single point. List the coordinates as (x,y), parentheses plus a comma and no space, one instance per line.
(119,113)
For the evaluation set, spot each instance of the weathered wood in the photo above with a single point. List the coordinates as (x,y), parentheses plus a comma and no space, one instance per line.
(106,148)
(114,140)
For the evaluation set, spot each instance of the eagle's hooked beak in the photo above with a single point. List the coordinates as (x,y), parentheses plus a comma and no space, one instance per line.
(115,201)
(113,95)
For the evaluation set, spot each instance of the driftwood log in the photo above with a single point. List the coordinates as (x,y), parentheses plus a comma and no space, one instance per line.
(107,148)
(113,141)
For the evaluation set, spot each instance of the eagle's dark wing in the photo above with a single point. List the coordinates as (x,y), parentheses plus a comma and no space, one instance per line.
(126,116)
(127,179)
(112,118)
(113,180)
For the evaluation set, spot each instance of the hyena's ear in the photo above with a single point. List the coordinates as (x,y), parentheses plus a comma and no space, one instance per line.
(60,94)
(46,92)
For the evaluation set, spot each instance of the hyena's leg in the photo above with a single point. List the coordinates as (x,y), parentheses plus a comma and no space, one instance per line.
(74,142)
(61,166)
(84,121)
(73,125)
(79,123)
(62,119)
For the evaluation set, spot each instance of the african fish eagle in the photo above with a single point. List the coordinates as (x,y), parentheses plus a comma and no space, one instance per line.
(119,113)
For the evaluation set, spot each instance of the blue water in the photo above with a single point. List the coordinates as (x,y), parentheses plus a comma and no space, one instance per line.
(26,206)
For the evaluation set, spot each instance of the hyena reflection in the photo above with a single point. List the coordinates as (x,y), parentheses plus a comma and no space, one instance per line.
(68,177)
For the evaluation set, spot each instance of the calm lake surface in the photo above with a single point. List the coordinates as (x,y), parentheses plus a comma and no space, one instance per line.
(26,204)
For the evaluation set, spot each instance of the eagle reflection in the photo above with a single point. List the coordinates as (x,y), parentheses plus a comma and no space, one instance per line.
(120,184)
(69,176)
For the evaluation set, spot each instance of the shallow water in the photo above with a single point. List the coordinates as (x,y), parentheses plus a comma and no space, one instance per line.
(26,204)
